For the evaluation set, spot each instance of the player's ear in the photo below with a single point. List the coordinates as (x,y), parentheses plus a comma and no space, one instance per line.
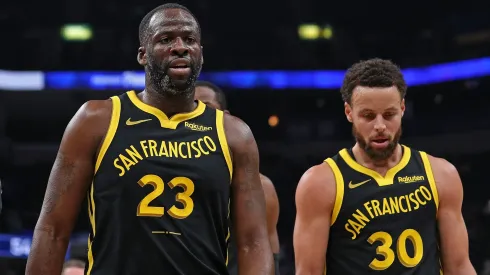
(348,111)
(142,60)
(403,106)
(202,56)
(226,111)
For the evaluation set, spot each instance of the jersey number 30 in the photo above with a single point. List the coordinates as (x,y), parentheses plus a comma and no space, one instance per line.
(145,210)
(388,254)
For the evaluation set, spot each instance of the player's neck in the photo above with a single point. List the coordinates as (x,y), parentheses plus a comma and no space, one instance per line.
(363,159)
(168,104)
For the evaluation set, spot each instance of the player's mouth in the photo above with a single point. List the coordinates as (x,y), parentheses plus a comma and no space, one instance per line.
(180,67)
(380,143)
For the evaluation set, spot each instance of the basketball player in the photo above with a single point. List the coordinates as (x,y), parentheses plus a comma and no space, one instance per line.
(73,267)
(214,97)
(157,167)
(380,207)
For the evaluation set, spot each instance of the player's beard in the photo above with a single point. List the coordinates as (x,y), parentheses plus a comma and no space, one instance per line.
(165,85)
(377,154)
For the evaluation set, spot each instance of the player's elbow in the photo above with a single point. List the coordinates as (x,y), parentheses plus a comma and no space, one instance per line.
(461,267)
(51,230)
(253,238)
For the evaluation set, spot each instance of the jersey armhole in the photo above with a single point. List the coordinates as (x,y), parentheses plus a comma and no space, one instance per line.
(430,178)
(111,131)
(220,128)
(339,193)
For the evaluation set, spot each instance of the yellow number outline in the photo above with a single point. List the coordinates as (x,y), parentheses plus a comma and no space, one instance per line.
(384,249)
(401,250)
(145,210)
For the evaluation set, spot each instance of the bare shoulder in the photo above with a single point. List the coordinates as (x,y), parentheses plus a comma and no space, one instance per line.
(98,107)
(238,133)
(317,187)
(267,184)
(442,166)
(271,199)
(442,169)
(446,177)
(74,164)
(86,129)
(95,112)
(92,119)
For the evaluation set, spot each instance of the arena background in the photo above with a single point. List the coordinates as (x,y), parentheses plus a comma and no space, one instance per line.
(278,61)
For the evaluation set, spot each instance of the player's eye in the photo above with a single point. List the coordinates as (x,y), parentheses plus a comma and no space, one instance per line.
(388,115)
(369,115)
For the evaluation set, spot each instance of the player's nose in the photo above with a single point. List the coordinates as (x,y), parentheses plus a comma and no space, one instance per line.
(179,47)
(379,124)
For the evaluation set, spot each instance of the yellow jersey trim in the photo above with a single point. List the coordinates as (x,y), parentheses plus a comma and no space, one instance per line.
(220,127)
(430,177)
(339,183)
(390,174)
(91,216)
(166,122)
(111,131)
(228,234)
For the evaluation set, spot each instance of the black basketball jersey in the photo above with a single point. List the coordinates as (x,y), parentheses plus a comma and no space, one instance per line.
(384,225)
(159,202)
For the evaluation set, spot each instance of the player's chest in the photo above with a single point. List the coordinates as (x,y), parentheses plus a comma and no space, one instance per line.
(161,147)
(177,158)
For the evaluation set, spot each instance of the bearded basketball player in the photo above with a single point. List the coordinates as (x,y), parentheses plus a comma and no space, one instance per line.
(156,168)
(380,207)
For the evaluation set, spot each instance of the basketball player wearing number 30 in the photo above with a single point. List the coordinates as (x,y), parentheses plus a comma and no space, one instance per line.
(380,207)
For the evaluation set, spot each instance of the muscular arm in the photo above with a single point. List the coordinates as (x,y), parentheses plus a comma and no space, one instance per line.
(315,198)
(452,229)
(272,209)
(254,250)
(70,177)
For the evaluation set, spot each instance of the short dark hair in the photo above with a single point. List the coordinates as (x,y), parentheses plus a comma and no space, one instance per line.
(145,22)
(374,72)
(220,95)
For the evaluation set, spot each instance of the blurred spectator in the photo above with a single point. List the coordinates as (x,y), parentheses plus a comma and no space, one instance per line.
(73,267)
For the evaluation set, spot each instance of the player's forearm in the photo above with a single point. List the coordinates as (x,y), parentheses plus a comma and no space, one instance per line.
(465,268)
(47,253)
(256,258)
